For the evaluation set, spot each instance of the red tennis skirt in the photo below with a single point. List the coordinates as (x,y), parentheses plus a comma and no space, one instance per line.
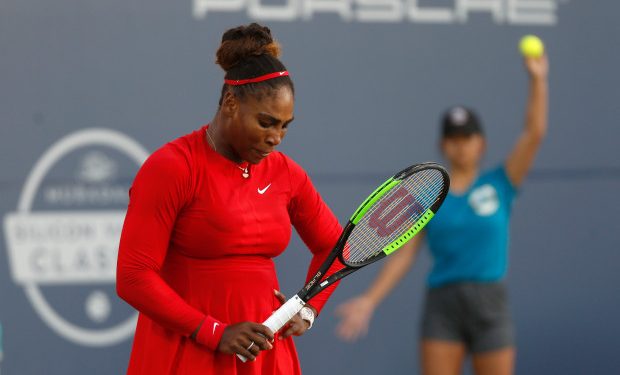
(232,289)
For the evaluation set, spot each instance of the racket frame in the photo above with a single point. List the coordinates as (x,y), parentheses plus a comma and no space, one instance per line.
(309,290)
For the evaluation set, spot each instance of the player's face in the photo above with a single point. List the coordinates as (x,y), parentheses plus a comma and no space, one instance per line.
(258,125)
(463,151)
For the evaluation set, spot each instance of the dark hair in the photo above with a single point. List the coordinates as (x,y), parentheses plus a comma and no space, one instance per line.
(248,52)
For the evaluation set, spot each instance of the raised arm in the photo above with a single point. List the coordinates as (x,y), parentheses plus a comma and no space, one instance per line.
(356,313)
(524,152)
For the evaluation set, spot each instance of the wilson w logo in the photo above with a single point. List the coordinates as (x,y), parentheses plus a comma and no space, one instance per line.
(394,212)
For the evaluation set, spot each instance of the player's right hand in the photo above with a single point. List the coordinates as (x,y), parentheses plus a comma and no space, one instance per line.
(537,67)
(355,317)
(246,338)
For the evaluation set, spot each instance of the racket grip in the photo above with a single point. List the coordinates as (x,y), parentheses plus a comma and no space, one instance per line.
(278,319)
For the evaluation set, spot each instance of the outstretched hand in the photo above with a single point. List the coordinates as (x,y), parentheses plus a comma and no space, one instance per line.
(246,338)
(355,315)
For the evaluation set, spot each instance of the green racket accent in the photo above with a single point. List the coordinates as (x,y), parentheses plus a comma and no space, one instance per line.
(419,225)
(372,198)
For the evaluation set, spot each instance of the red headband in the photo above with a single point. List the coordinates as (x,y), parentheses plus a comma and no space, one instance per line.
(237,82)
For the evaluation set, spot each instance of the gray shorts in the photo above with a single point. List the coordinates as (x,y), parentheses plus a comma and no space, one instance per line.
(475,314)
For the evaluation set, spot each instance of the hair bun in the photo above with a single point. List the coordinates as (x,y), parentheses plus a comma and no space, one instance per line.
(243,42)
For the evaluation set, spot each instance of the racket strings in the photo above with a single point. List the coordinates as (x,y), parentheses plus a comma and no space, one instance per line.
(370,238)
(394,214)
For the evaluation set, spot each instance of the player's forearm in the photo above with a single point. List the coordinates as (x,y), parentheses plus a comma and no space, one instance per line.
(537,109)
(148,293)
(319,301)
(390,275)
(522,156)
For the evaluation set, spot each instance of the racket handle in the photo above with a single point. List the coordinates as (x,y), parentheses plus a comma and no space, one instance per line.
(279,318)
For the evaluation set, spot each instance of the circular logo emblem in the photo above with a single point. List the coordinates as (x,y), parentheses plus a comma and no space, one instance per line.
(484,200)
(63,238)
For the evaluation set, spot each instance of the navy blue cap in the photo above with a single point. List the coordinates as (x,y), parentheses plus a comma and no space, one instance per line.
(460,121)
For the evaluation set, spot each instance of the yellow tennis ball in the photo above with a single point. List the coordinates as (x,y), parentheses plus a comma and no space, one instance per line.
(531,46)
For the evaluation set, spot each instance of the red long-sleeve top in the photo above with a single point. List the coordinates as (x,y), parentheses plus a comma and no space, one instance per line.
(187,201)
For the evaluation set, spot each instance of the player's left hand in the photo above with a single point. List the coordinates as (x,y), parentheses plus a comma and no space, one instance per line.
(296,326)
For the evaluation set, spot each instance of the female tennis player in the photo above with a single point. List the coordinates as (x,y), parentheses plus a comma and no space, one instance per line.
(207,213)
(466,308)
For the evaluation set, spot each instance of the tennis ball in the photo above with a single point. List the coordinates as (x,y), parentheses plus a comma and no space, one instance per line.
(531,46)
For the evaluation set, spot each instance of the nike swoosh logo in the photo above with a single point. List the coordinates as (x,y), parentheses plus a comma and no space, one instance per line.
(262,191)
(214,327)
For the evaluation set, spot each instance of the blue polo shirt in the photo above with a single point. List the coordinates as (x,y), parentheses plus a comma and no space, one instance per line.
(468,238)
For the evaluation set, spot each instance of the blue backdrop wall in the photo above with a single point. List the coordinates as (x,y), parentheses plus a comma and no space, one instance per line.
(89,88)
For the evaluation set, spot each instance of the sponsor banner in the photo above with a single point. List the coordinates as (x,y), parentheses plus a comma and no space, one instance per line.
(502,12)
(63,247)
(63,238)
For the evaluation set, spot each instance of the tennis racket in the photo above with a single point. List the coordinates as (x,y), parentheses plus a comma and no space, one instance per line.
(394,213)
